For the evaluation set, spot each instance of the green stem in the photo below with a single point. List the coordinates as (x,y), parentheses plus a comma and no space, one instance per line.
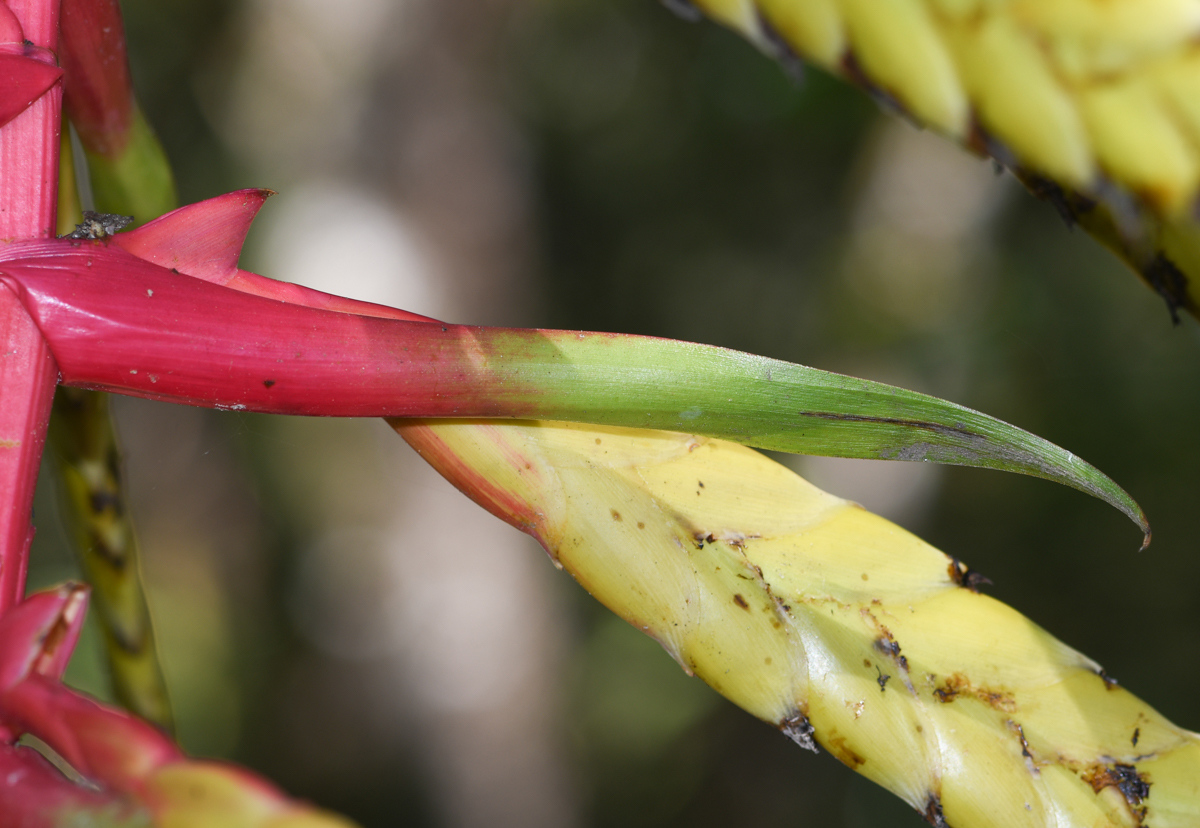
(85,449)
(84,445)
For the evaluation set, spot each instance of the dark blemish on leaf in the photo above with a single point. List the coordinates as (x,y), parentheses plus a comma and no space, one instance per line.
(741,602)
(867,663)
(701,483)
(933,812)
(937,428)
(1126,779)
(268,383)
(798,728)
(882,680)
(778,48)
(1110,683)
(98,225)
(683,9)
(616,515)
(1170,283)
(1137,734)
(966,577)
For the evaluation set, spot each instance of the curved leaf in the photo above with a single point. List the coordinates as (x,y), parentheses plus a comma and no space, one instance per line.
(118,323)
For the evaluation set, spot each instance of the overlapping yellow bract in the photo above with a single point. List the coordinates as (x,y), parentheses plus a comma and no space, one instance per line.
(1100,97)
(832,624)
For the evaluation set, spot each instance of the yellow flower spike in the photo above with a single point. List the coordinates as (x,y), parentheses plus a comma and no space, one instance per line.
(1020,101)
(1177,82)
(815,28)
(1091,38)
(739,15)
(1066,88)
(901,52)
(831,624)
(1139,144)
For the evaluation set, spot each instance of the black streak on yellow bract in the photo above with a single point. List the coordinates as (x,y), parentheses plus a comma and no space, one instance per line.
(966,577)
(1134,786)
(741,602)
(933,812)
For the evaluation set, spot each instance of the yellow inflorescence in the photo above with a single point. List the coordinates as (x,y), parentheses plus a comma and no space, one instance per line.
(1099,97)
(832,624)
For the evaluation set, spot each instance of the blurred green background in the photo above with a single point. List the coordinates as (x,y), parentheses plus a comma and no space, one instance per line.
(333,617)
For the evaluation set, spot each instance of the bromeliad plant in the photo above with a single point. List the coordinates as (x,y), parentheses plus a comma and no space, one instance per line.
(620,454)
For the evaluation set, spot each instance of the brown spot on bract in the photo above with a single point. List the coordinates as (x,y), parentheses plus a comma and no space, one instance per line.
(741,602)
(867,663)
(959,685)
(597,441)
(268,383)
(701,482)
(1134,786)
(616,515)
(933,812)
(866,577)
(641,525)
(836,744)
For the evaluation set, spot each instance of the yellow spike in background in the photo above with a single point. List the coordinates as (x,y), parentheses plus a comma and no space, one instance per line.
(1094,104)
(832,624)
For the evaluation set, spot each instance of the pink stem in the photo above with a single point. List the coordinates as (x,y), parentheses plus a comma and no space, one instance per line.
(28,202)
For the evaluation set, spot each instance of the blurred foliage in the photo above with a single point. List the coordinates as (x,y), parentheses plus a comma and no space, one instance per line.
(686,187)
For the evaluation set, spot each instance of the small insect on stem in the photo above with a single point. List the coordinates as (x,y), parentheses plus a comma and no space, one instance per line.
(98,225)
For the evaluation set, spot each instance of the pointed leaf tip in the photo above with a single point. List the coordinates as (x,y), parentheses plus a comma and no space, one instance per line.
(203,240)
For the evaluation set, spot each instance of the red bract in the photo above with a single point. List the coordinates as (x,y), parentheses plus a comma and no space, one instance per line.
(97,92)
(22,81)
